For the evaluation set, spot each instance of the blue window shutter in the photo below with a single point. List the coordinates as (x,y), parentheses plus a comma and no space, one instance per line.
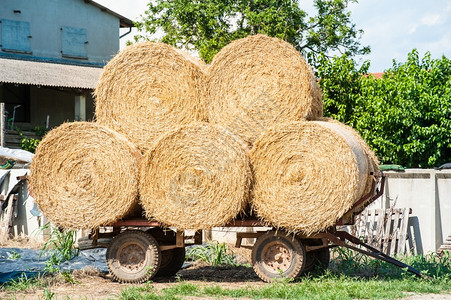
(16,36)
(74,42)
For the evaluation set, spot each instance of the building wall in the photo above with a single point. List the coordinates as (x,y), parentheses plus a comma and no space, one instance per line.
(47,17)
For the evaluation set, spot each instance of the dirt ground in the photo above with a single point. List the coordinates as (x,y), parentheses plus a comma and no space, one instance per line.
(91,284)
(21,241)
(94,285)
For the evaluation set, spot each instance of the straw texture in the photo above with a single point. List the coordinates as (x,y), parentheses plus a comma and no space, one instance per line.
(84,176)
(307,175)
(148,89)
(258,81)
(373,161)
(195,177)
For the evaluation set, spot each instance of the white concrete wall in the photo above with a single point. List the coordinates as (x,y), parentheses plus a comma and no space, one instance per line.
(46,17)
(428,194)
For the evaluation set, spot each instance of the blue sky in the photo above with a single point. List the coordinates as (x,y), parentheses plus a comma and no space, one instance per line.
(392,27)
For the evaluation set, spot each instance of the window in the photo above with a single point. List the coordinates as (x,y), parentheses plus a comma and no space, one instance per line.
(74,42)
(16,36)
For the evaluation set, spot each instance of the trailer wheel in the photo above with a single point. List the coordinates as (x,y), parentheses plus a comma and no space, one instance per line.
(317,261)
(276,255)
(133,256)
(323,259)
(171,260)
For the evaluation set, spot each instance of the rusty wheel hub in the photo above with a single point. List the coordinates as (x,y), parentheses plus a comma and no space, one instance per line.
(277,257)
(131,257)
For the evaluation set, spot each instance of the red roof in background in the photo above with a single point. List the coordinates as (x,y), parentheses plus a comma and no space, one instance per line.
(377,75)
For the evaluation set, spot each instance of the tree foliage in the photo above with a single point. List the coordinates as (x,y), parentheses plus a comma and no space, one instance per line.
(405,116)
(207,26)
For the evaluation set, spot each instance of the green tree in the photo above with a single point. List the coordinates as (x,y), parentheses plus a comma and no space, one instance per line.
(341,82)
(405,116)
(207,26)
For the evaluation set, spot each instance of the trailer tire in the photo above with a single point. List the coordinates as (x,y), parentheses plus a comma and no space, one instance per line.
(171,260)
(317,261)
(133,256)
(277,254)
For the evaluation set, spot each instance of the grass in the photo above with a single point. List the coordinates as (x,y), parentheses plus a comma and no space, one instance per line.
(350,276)
(25,283)
(325,287)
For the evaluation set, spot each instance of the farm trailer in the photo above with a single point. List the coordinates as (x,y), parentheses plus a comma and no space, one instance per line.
(141,249)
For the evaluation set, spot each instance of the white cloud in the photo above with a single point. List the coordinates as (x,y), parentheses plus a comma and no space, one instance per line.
(439,47)
(413,28)
(430,19)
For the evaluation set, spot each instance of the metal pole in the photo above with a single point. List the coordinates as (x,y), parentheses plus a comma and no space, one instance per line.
(2,124)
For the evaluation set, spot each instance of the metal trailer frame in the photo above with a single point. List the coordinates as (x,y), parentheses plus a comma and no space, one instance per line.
(327,239)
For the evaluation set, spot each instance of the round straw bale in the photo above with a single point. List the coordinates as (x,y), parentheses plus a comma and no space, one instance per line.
(195,177)
(85,175)
(198,62)
(373,161)
(258,81)
(307,175)
(148,89)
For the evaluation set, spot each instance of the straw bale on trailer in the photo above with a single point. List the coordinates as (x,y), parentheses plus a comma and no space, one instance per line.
(85,175)
(373,161)
(258,81)
(195,177)
(196,61)
(147,89)
(307,175)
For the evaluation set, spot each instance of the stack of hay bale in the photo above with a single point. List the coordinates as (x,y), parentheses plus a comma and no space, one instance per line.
(195,145)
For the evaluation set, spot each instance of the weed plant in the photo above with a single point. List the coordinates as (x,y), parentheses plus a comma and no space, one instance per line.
(14,255)
(354,264)
(60,246)
(213,253)
(47,294)
(25,283)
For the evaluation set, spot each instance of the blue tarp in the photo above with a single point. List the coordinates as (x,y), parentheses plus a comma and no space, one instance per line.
(14,262)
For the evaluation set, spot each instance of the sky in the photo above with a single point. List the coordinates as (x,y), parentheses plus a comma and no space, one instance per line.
(392,28)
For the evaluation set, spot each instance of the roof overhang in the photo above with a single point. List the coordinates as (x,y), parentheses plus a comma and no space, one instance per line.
(48,74)
(123,21)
